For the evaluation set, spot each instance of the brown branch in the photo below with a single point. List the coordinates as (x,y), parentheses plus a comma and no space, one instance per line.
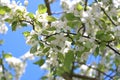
(48,7)
(113,49)
(85,8)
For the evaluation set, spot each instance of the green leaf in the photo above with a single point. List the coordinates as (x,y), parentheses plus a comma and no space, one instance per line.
(61,57)
(51,18)
(70,16)
(4,9)
(14,25)
(26,34)
(69,58)
(46,49)
(118,46)
(35,37)
(8,20)
(6,55)
(33,49)
(73,24)
(104,36)
(51,29)
(51,39)
(40,62)
(23,24)
(96,52)
(31,15)
(79,7)
(44,78)
(1,42)
(42,9)
(41,45)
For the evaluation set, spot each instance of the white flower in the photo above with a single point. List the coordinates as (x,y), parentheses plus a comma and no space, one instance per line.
(84,67)
(27,55)
(1,68)
(4,2)
(85,14)
(18,66)
(116,3)
(3,29)
(25,2)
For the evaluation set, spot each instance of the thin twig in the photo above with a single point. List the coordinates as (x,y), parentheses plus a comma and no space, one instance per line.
(107,14)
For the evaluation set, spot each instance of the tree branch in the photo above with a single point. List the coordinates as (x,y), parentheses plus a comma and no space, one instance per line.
(107,15)
(48,7)
(85,8)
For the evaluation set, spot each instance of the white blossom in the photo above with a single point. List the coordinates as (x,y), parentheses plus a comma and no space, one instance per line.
(18,66)
(3,29)
(28,55)
(25,2)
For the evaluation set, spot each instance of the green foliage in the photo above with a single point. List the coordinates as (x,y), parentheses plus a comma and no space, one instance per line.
(14,25)
(79,7)
(96,53)
(104,36)
(31,15)
(1,42)
(70,17)
(7,55)
(46,49)
(51,39)
(33,49)
(51,18)
(40,62)
(42,9)
(4,9)
(69,58)
(26,33)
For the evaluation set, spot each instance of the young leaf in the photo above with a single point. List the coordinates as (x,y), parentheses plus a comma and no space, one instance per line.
(14,25)
(4,9)
(42,9)
(6,55)
(51,18)
(69,57)
(1,42)
(70,16)
(96,52)
(26,34)
(79,7)
(33,49)
(51,39)
(31,15)
(46,49)
(40,62)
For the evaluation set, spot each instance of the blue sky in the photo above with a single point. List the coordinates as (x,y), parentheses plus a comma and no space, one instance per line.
(15,42)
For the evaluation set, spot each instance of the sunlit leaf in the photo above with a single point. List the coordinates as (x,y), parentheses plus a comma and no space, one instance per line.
(51,18)
(79,7)
(31,15)
(42,9)
(26,34)
(4,9)
(6,55)
(1,42)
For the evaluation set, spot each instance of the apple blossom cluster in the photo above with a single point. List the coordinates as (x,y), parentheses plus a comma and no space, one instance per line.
(18,65)
(64,45)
